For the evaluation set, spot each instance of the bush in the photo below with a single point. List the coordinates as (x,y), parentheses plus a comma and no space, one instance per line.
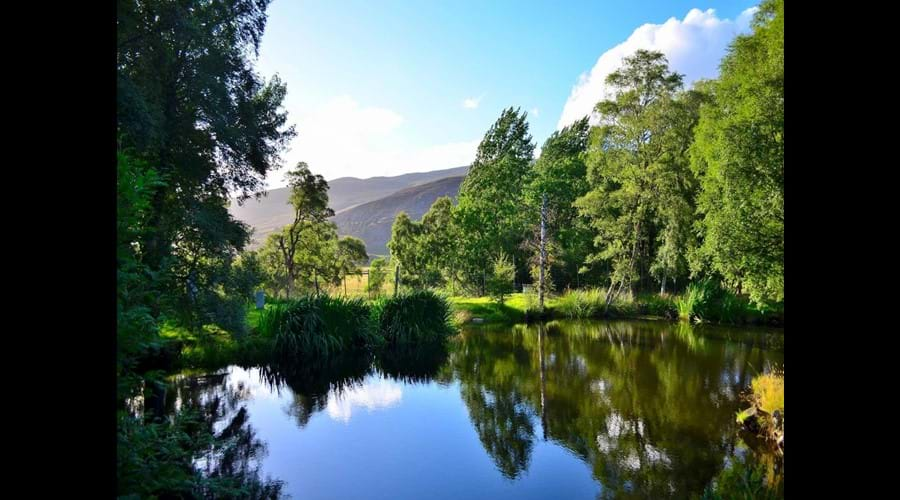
(709,301)
(420,316)
(317,326)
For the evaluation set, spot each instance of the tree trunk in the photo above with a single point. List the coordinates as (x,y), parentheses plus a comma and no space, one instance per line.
(609,292)
(396,279)
(483,280)
(543,252)
(290,281)
(345,285)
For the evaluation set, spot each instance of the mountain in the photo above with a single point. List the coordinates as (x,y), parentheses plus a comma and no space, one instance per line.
(346,192)
(372,221)
(273,212)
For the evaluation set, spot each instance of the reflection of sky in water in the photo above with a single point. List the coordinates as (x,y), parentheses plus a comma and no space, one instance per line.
(608,419)
(373,394)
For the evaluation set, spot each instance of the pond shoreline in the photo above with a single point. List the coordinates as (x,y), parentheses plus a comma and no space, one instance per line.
(515,309)
(531,378)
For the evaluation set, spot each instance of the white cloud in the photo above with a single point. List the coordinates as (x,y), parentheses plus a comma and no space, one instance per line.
(471,102)
(694,47)
(342,138)
(535,112)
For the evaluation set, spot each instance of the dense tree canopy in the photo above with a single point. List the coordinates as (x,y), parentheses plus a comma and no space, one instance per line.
(560,174)
(669,186)
(739,158)
(491,198)
(190,106)
(637,169)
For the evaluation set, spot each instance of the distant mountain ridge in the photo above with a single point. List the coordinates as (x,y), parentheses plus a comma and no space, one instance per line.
(272,212)
(372,221)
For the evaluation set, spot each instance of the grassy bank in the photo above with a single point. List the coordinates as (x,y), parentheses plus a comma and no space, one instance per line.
(310,328)
(701,303)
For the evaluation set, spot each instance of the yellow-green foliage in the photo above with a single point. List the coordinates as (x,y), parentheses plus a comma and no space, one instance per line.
(768,389)
(587,303)
(511,311)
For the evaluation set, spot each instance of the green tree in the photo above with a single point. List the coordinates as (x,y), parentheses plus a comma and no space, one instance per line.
(135,284)
(309,199)
(489,214)
(437,243)
(249,273)
(500,282)
(190,104)
(377,276)
(404,248)
(351,253)
(637,165)
(561,174)
(739,157)
(273,266)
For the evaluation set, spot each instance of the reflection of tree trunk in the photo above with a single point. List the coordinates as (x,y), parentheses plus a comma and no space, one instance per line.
(155,402)
(543,251)
(662,289)
(543,383)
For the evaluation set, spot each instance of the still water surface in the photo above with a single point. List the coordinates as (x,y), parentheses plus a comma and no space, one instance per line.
(569,409)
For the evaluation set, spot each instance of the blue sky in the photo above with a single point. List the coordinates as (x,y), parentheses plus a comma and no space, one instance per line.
(389,87)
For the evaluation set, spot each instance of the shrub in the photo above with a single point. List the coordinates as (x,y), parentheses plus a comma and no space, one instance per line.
(317,326)
(419,316)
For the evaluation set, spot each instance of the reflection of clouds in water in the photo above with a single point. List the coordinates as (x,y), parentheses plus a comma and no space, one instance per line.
(617,428)
(600,389)
(375,394)
(251,383)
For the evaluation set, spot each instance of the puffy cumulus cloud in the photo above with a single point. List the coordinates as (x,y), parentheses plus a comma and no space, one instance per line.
(694,47)
(342,138)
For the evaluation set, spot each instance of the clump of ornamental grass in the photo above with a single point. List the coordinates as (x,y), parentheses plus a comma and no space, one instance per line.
(319,326)
(419,316)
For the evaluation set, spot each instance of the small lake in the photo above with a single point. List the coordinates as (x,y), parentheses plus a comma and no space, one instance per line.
(567,409)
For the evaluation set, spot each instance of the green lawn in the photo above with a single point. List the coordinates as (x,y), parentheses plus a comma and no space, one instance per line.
(512,310)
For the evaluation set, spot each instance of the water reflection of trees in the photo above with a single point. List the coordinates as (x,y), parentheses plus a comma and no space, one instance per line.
(419,364)
(649,406)
(230,461)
